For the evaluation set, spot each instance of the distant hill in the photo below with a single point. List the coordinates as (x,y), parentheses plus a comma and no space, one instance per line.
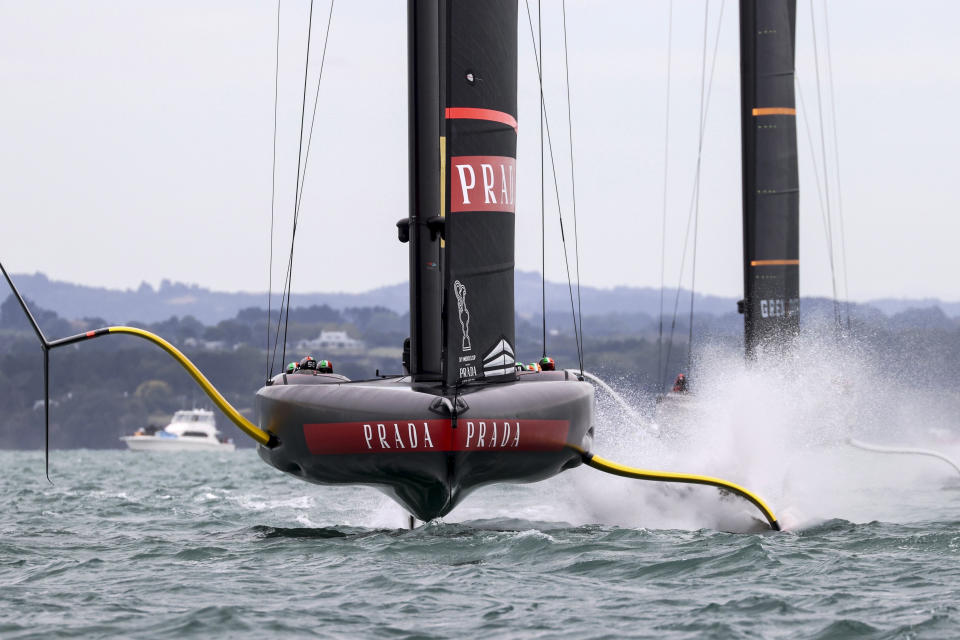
(113,387)
(147,304)
(891,306)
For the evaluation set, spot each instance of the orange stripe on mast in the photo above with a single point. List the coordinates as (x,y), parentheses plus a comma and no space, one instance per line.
(773,263)
(775,111)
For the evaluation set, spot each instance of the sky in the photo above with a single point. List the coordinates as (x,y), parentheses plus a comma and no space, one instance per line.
(136,143)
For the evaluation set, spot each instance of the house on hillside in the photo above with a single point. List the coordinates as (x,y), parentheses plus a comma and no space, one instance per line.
(332,342)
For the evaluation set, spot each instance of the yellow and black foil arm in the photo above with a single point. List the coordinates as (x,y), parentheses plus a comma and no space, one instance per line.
(618,469)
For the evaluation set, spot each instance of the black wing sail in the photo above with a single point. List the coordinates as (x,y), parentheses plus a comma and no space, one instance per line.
(770,180)
(479,151)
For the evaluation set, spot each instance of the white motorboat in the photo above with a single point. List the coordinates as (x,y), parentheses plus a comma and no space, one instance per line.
(193,430)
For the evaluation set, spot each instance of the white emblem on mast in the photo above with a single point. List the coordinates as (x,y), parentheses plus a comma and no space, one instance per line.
(499,360)
(461,292)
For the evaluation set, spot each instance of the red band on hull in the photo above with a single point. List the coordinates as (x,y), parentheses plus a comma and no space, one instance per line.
(400,436)
(471,113)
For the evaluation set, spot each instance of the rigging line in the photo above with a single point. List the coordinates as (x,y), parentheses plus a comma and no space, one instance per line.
(546,123)
(693,195)
(676,299)
(302,177)
(836,161)
(556,188)
(693,278)
(538,51)
(283,301)
(573,183)
(273,194)
(666,160)
(286,276)
(823,151)
(696,215)
(816,176)
(296,211)
(816,167)
(313,119)
(828,233)
(705,109)
(316,101)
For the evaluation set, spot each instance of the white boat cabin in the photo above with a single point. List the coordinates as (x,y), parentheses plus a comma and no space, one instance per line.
(197,423)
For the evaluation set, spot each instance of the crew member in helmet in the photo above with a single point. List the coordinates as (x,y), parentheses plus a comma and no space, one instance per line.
(680,384)
(324,366)
(293,366)
(548,364)
(307,364)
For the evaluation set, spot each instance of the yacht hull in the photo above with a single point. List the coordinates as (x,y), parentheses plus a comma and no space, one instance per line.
(425,450)
(157,443)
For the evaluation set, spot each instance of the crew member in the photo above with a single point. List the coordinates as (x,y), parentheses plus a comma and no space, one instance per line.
(324,366)
(680,384)
(548,364)
(307,364)
(293,366)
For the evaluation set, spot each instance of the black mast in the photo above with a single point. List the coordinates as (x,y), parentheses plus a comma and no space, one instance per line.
(771,303)
(463,147)
(480,150)
(425,25)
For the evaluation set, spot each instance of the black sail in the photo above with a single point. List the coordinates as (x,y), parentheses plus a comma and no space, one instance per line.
(479,149)
(771,302)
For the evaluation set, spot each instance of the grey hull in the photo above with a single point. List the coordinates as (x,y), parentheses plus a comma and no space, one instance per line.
(425,450)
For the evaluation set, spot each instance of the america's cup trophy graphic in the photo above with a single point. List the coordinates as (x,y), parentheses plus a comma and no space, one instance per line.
(461,292)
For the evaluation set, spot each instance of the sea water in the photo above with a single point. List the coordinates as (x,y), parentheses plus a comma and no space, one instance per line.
(195,545)
(152,545)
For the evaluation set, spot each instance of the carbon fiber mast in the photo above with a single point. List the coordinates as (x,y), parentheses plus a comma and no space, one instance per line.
(479,150)
(425,25)
(771,282)
(463,145)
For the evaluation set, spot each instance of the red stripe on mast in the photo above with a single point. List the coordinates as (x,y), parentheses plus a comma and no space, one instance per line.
(471,113)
